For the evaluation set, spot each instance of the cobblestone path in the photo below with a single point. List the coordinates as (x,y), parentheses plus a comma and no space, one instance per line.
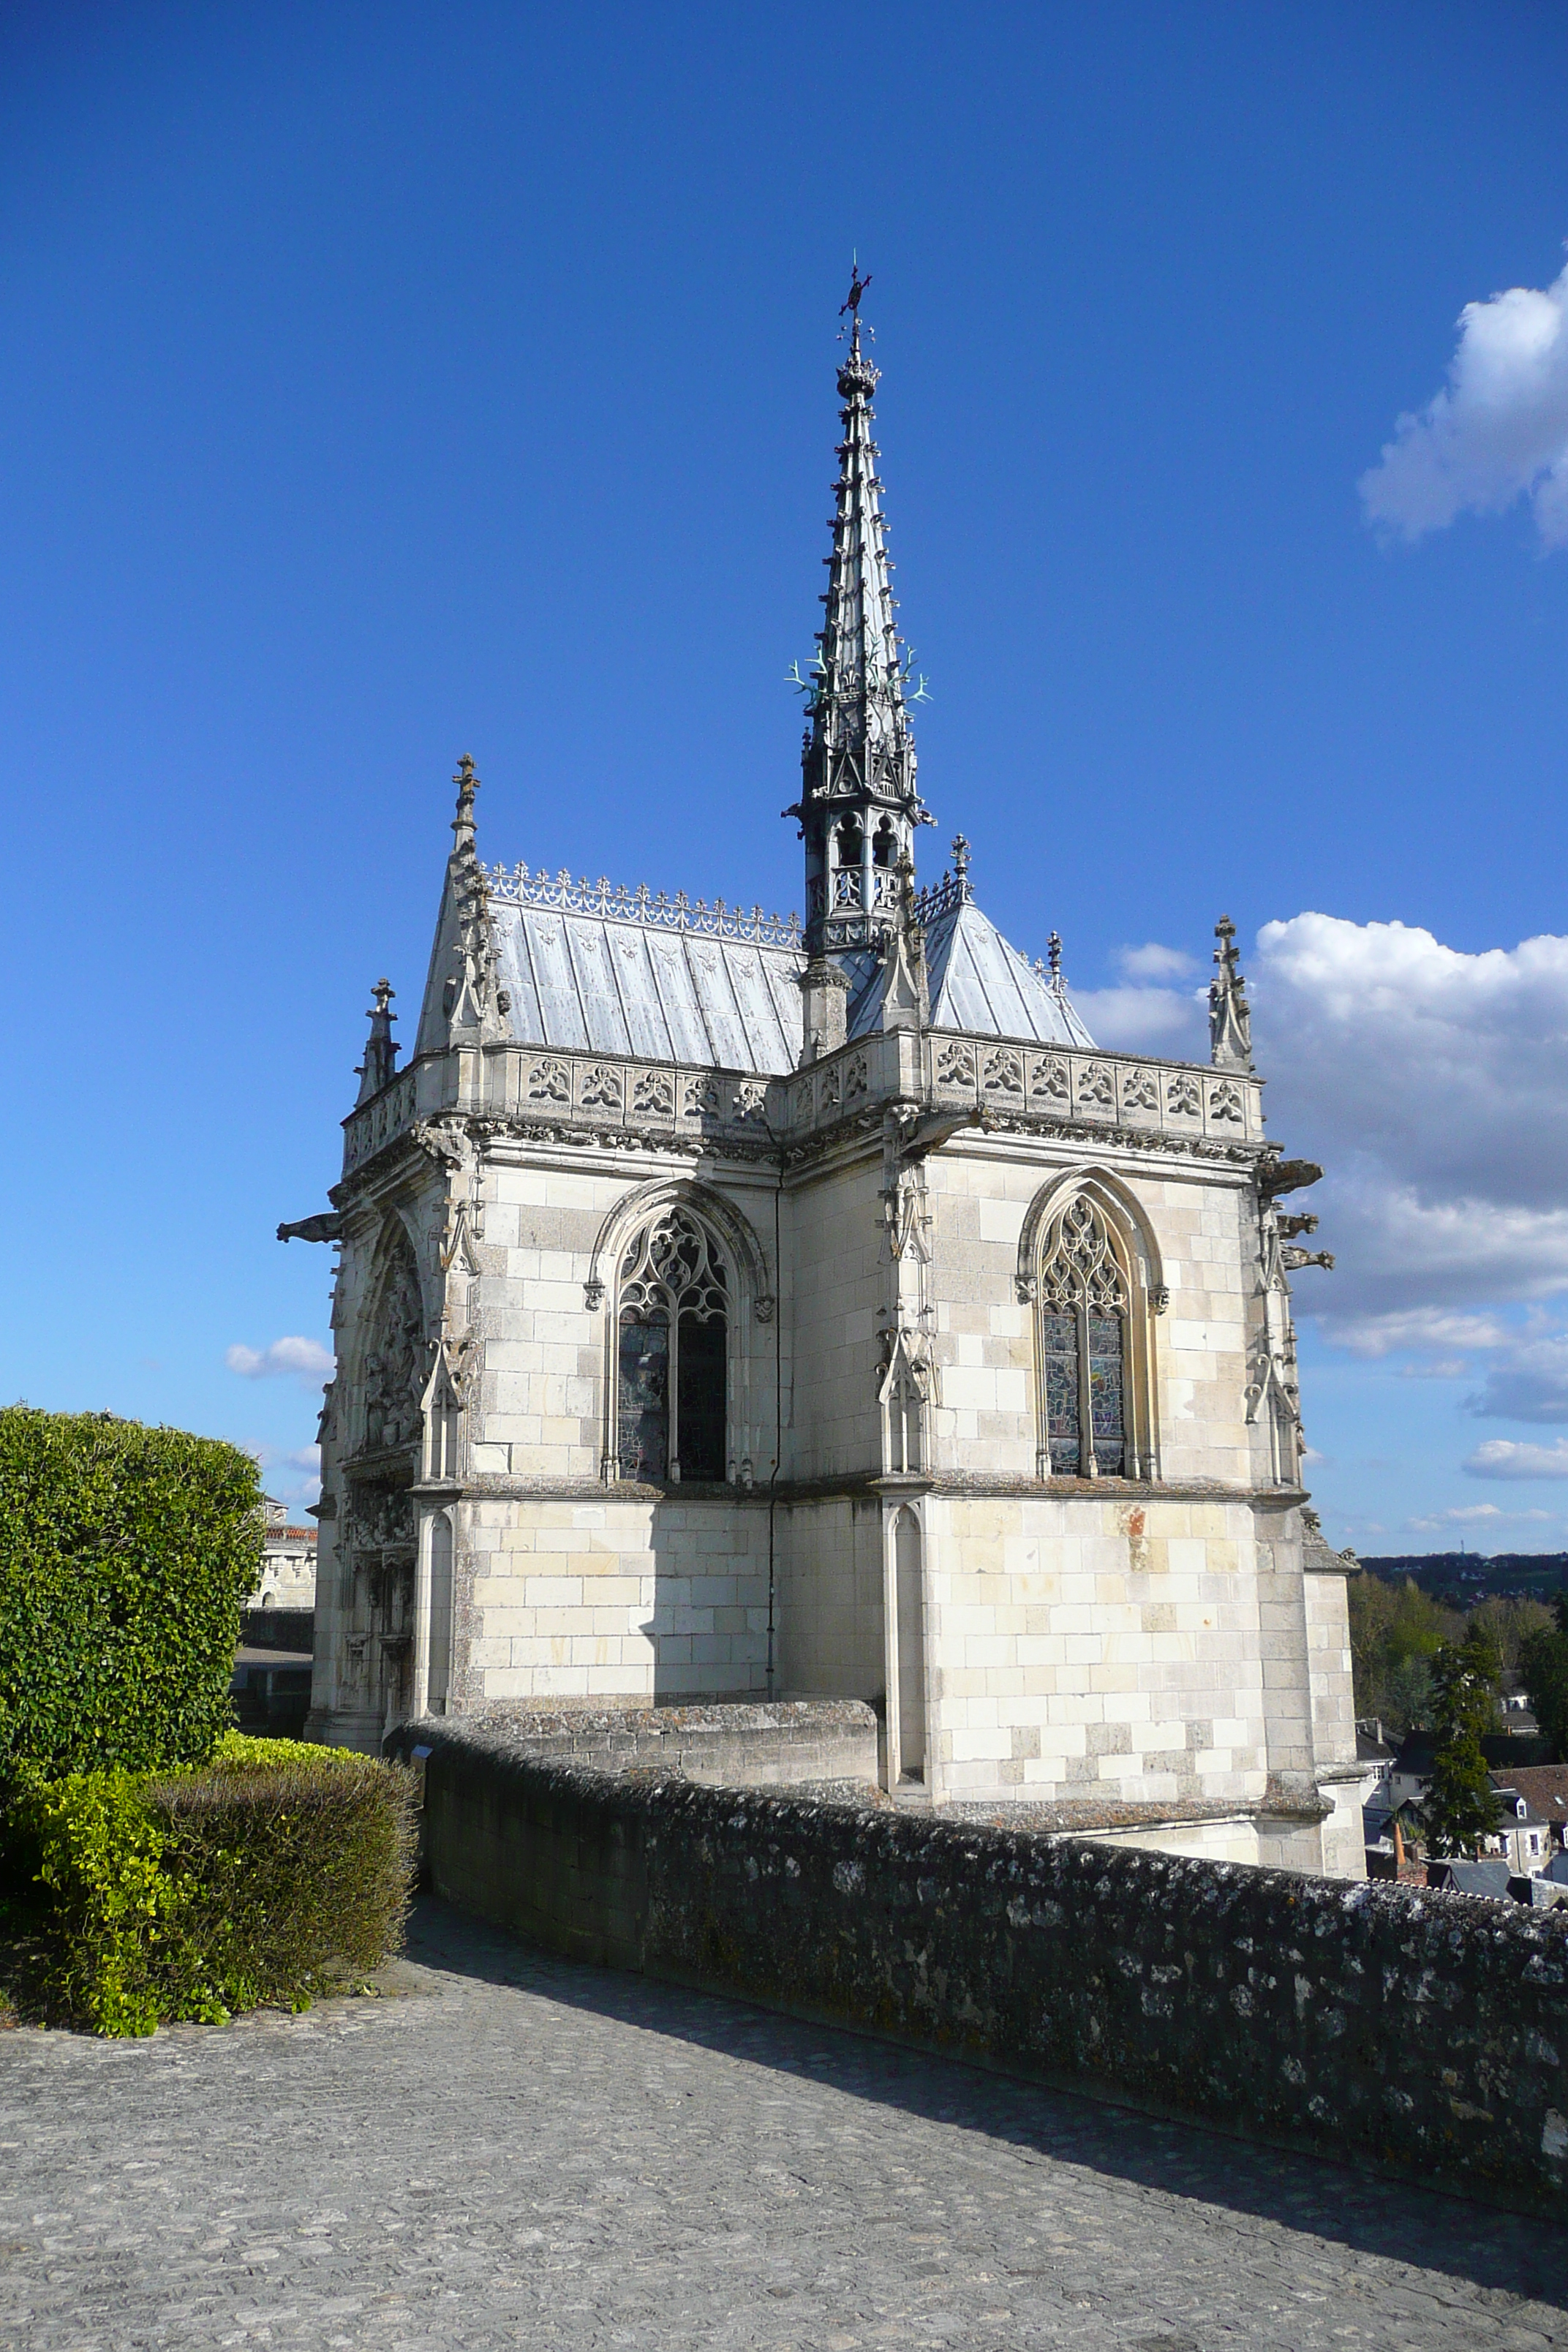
(510,2150)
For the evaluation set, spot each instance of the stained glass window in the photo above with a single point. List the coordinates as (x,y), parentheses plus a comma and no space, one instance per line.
(674,1318)
(1083,1336)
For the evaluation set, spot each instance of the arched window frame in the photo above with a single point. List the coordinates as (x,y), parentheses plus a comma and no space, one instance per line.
(1131,1249)
(749,1351)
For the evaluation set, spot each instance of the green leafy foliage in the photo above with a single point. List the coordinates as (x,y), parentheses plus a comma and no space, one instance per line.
(1543,1667)
(1460,1808)
(125,1553)
(263,1877)
(1396,1631)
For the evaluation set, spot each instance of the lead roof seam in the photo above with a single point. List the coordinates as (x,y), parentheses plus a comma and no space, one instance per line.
(614,963)
(959,940)
(652,961)
(760,977)
(751,1061)
(539,998)
(574,968)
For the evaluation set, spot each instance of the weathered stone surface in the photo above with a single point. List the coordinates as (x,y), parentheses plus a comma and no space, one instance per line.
(1422,2031)
(781,1742)
(521,2152)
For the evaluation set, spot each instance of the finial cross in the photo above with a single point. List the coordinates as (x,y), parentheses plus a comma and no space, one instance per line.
(857,286)
(959,858)
(383,994)
(1225,954)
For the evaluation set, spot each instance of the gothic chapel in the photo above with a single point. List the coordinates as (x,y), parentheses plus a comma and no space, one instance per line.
(729,1308)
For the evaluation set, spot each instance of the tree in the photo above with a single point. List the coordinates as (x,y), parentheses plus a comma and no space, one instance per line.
(1395,1631)
(1543,1666)
(1511,1622)
(1461,1809)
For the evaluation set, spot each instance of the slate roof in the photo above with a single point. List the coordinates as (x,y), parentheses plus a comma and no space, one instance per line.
(1544,1788)
(590,969)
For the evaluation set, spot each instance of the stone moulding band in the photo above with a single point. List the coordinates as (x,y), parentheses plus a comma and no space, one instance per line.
(515,886)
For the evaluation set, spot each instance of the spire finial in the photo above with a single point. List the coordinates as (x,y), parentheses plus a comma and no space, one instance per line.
(468,784)
(380,1063)
(1230,1015)
(859,805)
(961,862)
(1054,950)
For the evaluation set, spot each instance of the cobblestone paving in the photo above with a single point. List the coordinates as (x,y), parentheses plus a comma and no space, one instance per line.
(510,2150)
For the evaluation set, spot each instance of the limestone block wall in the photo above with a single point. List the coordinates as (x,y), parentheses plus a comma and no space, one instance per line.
(1327,1614)
(615,1598)
(540,1411)
(831,1637)
(979,1196)
(548,1355)
(835,1283)
(1082,1647)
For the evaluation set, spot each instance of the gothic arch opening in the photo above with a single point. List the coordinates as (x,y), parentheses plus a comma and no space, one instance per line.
(1085,1264)
(672,1326)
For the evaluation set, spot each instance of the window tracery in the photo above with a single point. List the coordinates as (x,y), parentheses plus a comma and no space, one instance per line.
(1084,1302)
(672,1333)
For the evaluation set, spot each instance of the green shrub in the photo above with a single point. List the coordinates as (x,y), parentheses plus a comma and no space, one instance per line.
(125,1553)
(262,1877)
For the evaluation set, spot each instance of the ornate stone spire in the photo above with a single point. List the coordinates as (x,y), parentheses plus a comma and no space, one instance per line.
(858,806)
(1230,1015)
(380,1063)
(473,1003)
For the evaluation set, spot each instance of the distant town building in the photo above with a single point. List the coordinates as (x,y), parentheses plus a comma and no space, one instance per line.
(288,1564)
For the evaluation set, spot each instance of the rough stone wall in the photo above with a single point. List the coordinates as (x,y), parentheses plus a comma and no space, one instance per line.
(1419,2031)
(772,1743)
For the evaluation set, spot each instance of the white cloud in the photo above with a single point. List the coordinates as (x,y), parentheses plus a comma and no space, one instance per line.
(1497,432)
(1501,1458)
(1435,1368)
(305,1358)
(1433,1086)
(1165,1021)
(1531,1383)
(1153,962)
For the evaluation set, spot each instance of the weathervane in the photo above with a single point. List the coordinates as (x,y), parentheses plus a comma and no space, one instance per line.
(857,286)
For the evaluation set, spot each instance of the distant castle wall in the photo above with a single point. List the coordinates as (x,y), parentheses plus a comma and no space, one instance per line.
(1420,2033)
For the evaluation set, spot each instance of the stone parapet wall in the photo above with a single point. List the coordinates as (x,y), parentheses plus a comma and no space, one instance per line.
(1418,2031)
(776,1743)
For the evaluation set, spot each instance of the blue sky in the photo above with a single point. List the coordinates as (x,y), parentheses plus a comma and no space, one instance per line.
(379,384)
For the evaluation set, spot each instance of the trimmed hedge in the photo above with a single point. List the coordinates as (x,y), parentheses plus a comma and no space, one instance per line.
(125,1553)
(264,1876)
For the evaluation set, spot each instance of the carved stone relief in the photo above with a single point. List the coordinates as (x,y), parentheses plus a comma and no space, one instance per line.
(395,1361)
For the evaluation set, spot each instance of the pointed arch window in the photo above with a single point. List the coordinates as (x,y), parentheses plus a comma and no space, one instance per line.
(848,849)
(672,1353)
(1085,1296)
